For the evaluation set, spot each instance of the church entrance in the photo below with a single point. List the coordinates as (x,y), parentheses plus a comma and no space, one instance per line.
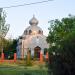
(37,52)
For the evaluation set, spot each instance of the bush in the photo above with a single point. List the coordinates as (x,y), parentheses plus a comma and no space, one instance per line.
(28,59)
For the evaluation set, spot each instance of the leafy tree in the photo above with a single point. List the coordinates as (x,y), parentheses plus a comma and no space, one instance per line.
(62,44)
(10,48)
(3,28)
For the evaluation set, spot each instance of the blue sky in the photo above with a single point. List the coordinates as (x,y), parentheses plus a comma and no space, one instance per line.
(19,17)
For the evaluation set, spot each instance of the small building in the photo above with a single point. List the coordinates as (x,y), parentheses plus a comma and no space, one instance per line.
(32,40)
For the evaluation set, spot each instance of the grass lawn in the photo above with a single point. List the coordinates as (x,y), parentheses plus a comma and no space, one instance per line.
(16,69)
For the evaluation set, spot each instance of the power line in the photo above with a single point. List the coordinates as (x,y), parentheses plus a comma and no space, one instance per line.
(27,4)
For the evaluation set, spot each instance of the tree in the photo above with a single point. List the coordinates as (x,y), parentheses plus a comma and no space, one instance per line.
(3,28)
(62,42)
(10,48)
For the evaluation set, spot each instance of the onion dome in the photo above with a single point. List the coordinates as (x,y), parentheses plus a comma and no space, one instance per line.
(33,21)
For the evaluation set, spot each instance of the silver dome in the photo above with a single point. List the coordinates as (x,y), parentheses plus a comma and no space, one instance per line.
(33,21)
(33,29)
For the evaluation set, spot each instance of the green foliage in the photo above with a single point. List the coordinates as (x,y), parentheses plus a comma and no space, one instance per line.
(4,28)
(62,41)
(10,47)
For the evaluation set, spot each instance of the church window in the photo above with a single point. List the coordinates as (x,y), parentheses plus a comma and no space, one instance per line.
(45,51)
(25,32)
(39,32)
(30,31)
(20,37)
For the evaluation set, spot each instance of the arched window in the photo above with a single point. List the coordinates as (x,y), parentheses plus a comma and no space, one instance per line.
(20,37)
(30,31)
(39,32)
(25,32)
(45,51)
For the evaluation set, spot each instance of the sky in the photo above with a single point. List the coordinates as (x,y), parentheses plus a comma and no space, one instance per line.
(18,17)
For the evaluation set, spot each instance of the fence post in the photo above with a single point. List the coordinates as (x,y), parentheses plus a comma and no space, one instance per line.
(2,56)
(41,57)
(15,57)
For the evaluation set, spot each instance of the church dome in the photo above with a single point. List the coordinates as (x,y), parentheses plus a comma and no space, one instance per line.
(33,21)
(33,29)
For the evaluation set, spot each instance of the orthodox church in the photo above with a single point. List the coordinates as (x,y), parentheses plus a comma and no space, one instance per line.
(32,40)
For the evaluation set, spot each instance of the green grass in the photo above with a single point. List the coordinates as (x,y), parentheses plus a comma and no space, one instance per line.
(23,72)
(15,69)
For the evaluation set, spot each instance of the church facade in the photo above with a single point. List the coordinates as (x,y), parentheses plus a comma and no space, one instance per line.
(32,40)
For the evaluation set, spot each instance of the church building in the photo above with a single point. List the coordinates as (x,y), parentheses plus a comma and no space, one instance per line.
(32,40)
